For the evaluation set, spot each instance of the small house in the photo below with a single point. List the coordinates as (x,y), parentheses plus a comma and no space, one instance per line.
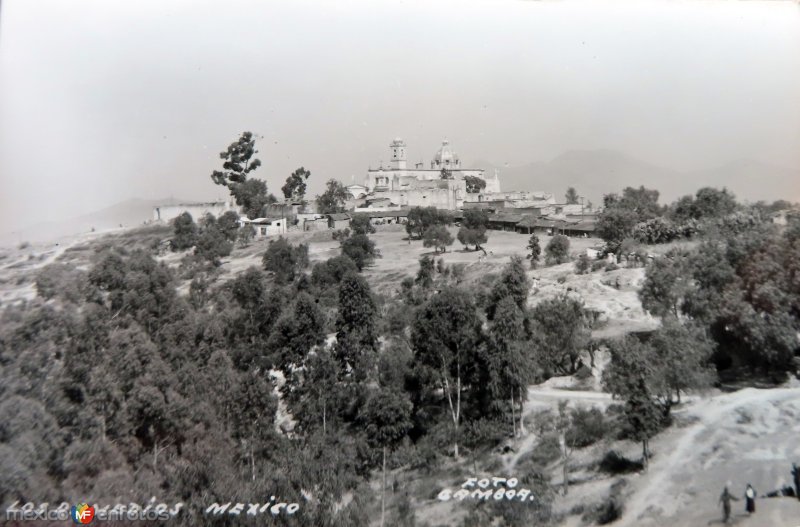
(339,220)
(267,227)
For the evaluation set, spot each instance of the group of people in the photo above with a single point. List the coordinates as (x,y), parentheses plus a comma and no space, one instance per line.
(726,498)
(750,496)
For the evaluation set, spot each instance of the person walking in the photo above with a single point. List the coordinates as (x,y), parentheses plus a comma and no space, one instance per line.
(726,499)
(750,499)
(796,476)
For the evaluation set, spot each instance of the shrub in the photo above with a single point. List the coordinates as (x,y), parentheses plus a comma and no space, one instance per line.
(557,250)
(360,249)
(360,224)
(582,265)
(613,463)
(285,260)
(656,230)
(588,427)
(185,232)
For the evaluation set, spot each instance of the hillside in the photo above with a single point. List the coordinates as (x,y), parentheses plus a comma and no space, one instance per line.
(597,172)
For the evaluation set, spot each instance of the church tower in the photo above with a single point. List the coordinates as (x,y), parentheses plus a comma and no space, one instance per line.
(398,154)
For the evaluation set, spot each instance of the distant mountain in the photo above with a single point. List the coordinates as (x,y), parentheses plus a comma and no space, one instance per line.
(127,213)
(594,173)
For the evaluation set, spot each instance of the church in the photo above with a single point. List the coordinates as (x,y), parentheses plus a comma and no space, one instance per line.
(443,185)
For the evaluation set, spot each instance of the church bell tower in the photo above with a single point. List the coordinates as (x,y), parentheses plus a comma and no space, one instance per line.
(398,154)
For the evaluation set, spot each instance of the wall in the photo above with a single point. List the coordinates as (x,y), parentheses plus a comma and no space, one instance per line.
(197,210)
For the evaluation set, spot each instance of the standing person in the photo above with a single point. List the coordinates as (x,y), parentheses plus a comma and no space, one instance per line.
(726,499)
(796,475)
(750,499)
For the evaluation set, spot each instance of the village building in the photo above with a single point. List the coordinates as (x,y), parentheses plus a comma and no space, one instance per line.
(167,212)
(266,227)
(442,184)
(338,221)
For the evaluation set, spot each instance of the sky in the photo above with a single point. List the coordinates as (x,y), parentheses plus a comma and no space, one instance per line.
(106,100)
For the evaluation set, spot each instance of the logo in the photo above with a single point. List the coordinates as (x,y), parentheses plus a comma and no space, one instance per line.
(82,513)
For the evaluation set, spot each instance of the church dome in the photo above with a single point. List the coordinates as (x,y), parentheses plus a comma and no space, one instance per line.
(445,156)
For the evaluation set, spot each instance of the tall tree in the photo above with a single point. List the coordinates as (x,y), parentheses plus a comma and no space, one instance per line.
(509,367)
(239,161)
(446,334)
(473,228)
(251,195)
(295,187)
(535,250)
(387,416)
(333,199)
(356,333)
(513,282)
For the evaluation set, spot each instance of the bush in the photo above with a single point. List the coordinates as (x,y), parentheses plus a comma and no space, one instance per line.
(285,260)
(597,265)
(613,463)
(557,250)
(360,249)
(185,232)
(438,237)
(588,427)
(582,265)
(361,224)
(656,230)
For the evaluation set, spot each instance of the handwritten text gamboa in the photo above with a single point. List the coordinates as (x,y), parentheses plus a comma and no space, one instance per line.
(487,489)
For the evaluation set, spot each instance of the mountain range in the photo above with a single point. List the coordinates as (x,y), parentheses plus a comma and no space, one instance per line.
(594,173)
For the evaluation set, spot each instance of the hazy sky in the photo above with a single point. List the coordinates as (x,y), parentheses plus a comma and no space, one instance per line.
(103,100)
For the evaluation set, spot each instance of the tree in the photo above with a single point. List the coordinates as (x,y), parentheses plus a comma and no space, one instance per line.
(228,223)
(332,200)
(446,334)
(239,161)
(666,284)
(252,413)
(421,218)
(387,416)
(360,249)
(643,416)
(295,187)
(438,237)
(713,203)
(331,272)
(213,243)
(509,367)
(583,265)
(356,333)
(621,213)
(473,228)
(285,260)
(245,235)
(513,282)
(630,376)
(682,354)
(561,332)
(297,331)
(535,250)
(557,250)
(474,184)
(361,224)
(252,196)
(571,196)
(424,277)
(184,232)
